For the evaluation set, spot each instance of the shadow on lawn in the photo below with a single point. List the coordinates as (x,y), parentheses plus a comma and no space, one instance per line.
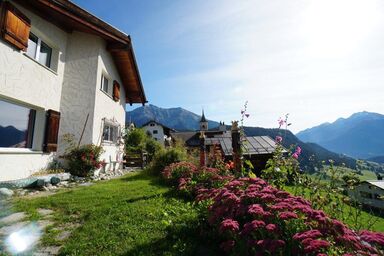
(180,240)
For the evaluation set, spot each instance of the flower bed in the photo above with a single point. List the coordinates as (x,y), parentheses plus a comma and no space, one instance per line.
(250,217)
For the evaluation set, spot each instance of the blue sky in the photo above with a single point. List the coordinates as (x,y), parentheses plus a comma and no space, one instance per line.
(317,60)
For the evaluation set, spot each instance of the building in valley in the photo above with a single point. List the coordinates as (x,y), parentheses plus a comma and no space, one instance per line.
(369,193)
(219,141)
(62,71)
(158,131)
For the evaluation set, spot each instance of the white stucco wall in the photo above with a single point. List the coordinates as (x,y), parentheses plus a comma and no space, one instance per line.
(108,109)
(160,131)
(18,165)
(78,94)
(26,82)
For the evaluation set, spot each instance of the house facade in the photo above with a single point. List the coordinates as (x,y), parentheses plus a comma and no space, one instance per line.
(369,193)
(158,131)
(62,71)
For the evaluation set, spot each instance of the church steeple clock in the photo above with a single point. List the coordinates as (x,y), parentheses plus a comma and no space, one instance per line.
(203,123)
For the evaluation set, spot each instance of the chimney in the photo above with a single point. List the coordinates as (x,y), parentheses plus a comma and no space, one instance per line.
(222,127)
(202,149)
(236,146)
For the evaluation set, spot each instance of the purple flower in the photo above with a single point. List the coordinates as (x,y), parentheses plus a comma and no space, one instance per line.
(278,139)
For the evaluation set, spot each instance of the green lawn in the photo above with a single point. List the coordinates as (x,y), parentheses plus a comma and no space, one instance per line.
(133,215)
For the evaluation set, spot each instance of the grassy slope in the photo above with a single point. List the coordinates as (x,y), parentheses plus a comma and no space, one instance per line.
(351,215)
(133,215)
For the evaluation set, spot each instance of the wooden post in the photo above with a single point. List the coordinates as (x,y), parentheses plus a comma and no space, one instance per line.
(202,149)
(236,146)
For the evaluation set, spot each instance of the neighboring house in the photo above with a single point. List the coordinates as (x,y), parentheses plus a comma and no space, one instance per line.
(157,131)
(191,138)
(62,71)
(369,193)
(258,149)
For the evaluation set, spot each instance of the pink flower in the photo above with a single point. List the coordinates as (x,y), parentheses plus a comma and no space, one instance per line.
(372,237)
(271,227)
(316,245)
(256,209)
(281,122)
(314,233)
(298,150)
(288,215)
(278,139)
(251,226)
(295,155)
(229,224)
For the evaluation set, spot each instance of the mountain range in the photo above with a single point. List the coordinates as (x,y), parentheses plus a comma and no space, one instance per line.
(9,135)
(360,136)
(175,118)
(181,119)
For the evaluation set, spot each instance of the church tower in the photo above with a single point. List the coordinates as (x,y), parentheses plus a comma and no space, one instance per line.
(203,123)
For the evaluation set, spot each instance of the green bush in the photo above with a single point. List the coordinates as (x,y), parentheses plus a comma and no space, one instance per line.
(152,147)
(166,157)
(135,140)
(83,160)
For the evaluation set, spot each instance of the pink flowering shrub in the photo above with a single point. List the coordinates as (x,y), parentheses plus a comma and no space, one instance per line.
(189,178)
(181,170)
(250,217)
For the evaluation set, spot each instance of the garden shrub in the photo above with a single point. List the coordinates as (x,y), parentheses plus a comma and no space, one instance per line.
(135,140)
(152,147)
(83,160)
(250,217)
(166,157)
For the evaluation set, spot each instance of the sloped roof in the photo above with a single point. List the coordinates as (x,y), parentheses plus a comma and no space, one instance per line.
(70,17)
(153,121)
(254,145)
(377,183)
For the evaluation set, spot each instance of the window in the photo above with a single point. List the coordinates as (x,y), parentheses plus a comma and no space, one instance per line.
(152,124)
(110,132)
(39,50)
(16,125)
(155,131)
(105,85)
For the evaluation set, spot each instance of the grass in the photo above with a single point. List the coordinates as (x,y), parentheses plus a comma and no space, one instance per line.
(133,215)
(351,216)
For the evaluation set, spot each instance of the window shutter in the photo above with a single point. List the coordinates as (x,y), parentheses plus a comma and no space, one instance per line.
(51,131)
(116,91)
(15,26)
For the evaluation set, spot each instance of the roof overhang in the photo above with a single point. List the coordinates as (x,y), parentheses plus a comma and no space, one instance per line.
(69,17)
